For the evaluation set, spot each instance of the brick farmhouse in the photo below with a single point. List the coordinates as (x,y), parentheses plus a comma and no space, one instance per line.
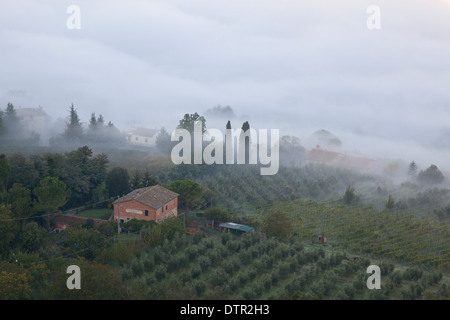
(151,203)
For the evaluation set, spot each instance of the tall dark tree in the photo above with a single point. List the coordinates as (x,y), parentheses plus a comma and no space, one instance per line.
(390,203)
(8,230)
(100,121)
(19,198)
(292,153)
(163,141)
(93,128)
(245,126)
(74,130)
(190,193)
(22,171)
(4,173)
(412,169)
(93,121)
(118,182)
(136,180)
(432,175)
(51,194)
(2,123)
(189,120)
(350,195)
(247,141)
(149,180)
(277,224)
(12,122)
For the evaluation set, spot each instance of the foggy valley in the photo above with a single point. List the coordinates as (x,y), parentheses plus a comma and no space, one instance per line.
(121,127)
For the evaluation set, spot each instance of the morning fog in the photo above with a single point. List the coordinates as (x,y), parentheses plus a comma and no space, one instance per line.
(239,146)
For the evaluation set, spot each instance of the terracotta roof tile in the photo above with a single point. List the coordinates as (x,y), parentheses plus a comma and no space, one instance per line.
(154,196)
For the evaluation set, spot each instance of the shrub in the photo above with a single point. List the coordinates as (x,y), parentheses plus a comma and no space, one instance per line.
(350,291)
(184,277)
(258,288)
(275,276)
(148,264)
(386,268)
(160,272)
(242,277)
(196,271)
(138,268)
(150,280)
(412,273)
(266,281)
(244,257)
(218,277)
(199,286)
(396,278)
(204,263)
(192,252)
(234,283)
(249,294)
(252,273)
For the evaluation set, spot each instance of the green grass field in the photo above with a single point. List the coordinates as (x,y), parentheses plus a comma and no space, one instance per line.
(96,213)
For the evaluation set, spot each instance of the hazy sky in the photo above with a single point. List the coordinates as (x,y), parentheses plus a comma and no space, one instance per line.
(297,66)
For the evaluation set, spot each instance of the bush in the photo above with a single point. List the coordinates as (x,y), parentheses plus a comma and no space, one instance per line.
(266,281)
(218,277)
(252,273)
(234,283)
(359,285)
(242,277)
(228,266)
(158,256)
(138,268)
(160,272)
(204,263)
(350,291)
(148,264)
(192,252)
(199,286)
(244,257)
(249,294)
(386,268)
(196,271)
(173,264)
(396,278)
(184,277)
(432,277)
(275,276)
(150,280)
(412,273)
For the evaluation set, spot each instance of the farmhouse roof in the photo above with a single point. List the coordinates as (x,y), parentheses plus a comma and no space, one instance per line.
(339,159)
(144,132)
(27,112)
(323,156)
(154,196)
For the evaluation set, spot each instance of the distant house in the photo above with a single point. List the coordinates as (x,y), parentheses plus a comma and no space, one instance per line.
(320,156)
(33,119)
(151,203)
(143,137)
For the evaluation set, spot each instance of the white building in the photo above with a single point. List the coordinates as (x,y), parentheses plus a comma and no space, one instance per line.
(143,137)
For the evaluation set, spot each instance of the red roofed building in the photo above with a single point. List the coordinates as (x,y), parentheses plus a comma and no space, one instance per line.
(320,156)
(151,203)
